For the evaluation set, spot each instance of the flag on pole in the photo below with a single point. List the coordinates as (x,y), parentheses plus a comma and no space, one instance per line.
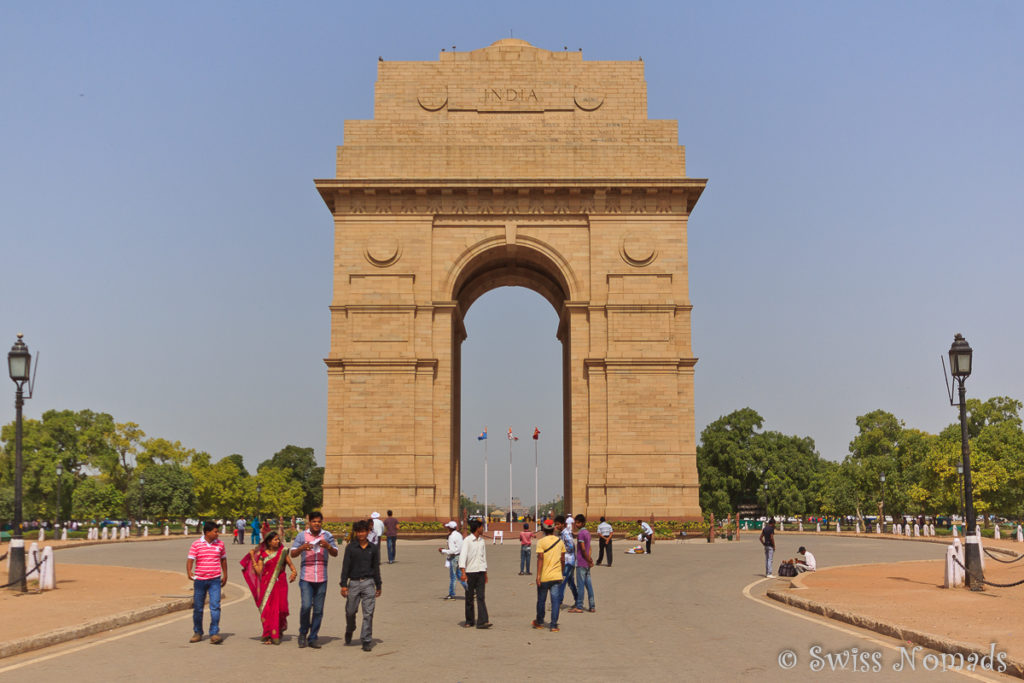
(536,433)
(510,437)
(482,435)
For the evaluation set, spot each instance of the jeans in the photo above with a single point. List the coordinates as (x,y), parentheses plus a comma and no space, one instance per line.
(200,589)
(584,584)
(555,587)
(768,553)
(606,545)
(453,574)
(313,594)
(361,591)
(255,538)
(569,579)
(392,540)
(524,559)
(476,587)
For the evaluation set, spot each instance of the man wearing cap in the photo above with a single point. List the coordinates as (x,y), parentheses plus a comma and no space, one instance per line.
(550,567)
(378,529)
(809,564)
(451,554)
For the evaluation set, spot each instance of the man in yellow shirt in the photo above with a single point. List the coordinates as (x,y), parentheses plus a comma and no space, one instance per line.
(550,568)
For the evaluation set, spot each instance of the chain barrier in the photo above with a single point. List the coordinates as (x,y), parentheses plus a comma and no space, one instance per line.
(987,583)
(39,563)
(1016,559)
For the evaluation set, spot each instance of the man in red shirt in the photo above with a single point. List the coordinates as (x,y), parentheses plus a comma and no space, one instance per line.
(525,539)
(207,568)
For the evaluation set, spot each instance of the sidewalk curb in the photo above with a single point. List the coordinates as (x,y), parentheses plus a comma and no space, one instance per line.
(88,628)
(938,643)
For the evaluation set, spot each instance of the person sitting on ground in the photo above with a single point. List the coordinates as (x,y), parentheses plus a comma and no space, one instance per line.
(808,564)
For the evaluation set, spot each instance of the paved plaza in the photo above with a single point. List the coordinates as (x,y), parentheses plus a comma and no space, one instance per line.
(689,611)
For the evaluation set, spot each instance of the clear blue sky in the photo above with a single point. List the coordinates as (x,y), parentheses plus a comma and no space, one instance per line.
(165,250)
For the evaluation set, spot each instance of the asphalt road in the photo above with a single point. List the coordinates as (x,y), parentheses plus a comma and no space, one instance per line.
(689,611)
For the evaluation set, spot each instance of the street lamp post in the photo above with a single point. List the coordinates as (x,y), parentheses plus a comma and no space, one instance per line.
(19,362)
(142,501)
(961,356)
(60,471)
(766,499)
(960,486)
(259,503)
(881,511)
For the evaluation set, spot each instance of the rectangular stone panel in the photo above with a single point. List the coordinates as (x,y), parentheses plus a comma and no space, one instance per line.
(379,326)
(640,326)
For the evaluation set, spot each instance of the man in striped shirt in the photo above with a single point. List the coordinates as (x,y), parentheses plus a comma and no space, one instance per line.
(207,568)
(314,544)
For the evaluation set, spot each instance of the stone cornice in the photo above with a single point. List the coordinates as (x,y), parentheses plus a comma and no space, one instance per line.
(511,197)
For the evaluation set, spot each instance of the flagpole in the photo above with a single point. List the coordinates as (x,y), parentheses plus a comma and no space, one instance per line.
(487,514)
(510,485)
(535,504)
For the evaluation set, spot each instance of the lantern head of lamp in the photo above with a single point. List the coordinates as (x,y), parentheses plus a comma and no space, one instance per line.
(960,355)
(19,362)
(882,477)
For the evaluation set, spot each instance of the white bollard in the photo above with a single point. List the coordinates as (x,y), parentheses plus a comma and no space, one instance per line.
(64,534)
(167,530)
(931,530)
(184,531)
(145,531)
(47,575)
(917,530)
(104,533)
(955,534)
(800,525)
(42,535)
(837,527)
(906,531)
(818,527)
(1020,534)
(782,525)
(995,533)
(223,529)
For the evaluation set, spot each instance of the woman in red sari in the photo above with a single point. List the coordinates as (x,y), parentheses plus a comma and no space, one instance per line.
(263,569)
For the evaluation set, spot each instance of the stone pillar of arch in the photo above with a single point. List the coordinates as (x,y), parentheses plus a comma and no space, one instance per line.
(510,166)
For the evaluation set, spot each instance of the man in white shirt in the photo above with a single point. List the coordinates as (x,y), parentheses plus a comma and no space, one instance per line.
(809,564)
(647,533)
(473,563)
(378,529)
(451,554)
(604,538)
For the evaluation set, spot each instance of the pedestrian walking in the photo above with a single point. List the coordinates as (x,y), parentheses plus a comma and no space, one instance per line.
(255,538)
(207,568)
(583,564)
(604,540)
(569,568)
(647,534)
(315,545)
(473,566)
(240,531)
(377,530)
(263,569)
(391,529)
(550,569)
(525,541)
(360,583)
(767,539)
(451,554)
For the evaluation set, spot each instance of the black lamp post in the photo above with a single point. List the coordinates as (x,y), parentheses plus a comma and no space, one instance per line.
(60,471)
(19,362)
(259,504)
(142,501)
(766,508)
(960,487)
(881,511)
(960,357)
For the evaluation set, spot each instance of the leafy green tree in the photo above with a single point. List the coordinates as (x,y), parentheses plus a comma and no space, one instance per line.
(220,488)
(169,492)
(239,462)
(96,499)
(281,495)
(302,464)
(164,452)
(117,462)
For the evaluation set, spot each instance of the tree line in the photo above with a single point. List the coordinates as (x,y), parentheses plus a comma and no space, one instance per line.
(112,470)
(741,466)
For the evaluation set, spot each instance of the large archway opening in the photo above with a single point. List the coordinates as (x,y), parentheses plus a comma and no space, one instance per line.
(510,372)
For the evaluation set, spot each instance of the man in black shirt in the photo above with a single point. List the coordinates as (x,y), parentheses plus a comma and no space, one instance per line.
(360,582)
(767,539)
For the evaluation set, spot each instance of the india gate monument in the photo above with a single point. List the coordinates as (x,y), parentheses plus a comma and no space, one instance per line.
(510,165)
